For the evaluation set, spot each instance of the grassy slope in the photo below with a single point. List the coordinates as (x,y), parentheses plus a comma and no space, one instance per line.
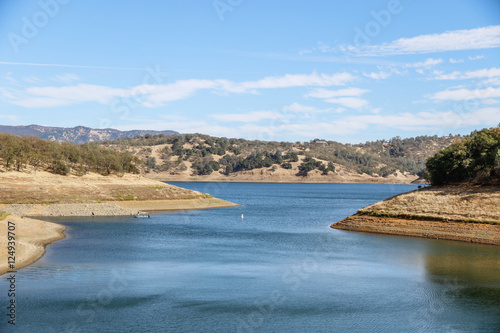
(46,188)
(445,203)
(453,212)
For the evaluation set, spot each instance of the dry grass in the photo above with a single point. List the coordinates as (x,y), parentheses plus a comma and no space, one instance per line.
(46,188)
(456,203)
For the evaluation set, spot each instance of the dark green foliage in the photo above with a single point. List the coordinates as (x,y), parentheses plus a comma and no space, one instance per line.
(474,158)
(205,166)
(309,164)
(60,168)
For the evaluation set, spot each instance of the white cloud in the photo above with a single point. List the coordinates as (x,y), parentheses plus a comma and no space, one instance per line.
(426,64)
(157,95)
(378,76)
(466,94)
(477,74)
(324,93)
(350,102)
(9,117)
(455,40)
(79,93)
(65,78)
(476,57)
(253,116)
(347,125)
(425,120)
(456,61)
(346,97)
(298,108)
(287,81)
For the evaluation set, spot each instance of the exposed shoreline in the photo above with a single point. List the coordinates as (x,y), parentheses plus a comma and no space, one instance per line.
(460,213)
(33,235)
(458,231)
(266,176)
(27,194)
(31,238)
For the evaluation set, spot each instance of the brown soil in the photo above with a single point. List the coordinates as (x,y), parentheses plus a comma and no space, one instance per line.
(280,175)
(31,237)
(464,213)
(47,188)
(460,231)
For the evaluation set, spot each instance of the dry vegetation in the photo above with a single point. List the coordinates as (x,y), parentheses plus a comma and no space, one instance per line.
(46,188)
(452,203)
(464,213)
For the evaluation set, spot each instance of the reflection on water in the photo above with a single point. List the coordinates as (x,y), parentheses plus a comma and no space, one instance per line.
(471,263)
(281,269)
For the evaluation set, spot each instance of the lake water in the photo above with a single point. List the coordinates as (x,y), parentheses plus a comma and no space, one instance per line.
(279,269)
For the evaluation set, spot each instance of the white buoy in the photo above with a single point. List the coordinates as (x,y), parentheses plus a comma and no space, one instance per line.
(242,216)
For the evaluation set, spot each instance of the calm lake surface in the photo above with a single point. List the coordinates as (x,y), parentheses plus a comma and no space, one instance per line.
(279,269)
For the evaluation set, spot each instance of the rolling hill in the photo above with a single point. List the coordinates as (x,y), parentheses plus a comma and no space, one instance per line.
(79,134)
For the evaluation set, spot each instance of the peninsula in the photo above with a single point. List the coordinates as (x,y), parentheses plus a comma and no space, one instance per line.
(463,203)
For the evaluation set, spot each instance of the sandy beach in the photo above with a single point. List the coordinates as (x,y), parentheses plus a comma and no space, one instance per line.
(31,237)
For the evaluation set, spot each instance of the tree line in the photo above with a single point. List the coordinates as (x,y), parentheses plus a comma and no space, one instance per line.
(17,152)
(475,158)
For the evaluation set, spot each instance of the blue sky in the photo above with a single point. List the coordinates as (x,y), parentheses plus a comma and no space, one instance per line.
(349,71)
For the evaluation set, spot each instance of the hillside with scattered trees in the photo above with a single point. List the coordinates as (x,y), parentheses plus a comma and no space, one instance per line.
(17,152)
(199,154)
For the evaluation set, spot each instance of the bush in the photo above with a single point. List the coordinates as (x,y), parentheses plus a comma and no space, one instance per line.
(60,168)
(474,158)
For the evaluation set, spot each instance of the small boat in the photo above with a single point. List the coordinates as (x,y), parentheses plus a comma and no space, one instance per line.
(142,216)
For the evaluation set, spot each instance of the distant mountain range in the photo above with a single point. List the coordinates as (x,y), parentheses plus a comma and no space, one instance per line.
(79,134)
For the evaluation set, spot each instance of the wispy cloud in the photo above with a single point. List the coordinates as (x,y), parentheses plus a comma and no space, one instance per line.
(426,64)
(466,94)
(158,95)
(249,117)
(378,75)
(477,74)
(299,108)
(428,120)
(324,93)
(345,97)
(9,117)
(469,39)
(287,81)
(66,78)
(476,57)
(66,65)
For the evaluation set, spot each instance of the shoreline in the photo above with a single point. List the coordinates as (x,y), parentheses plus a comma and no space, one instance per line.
(287,182)
(455,212)
(32,235)
(480,233)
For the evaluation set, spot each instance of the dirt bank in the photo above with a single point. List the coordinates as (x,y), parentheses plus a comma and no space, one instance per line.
(30,238)
(464,213)
(460,231)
